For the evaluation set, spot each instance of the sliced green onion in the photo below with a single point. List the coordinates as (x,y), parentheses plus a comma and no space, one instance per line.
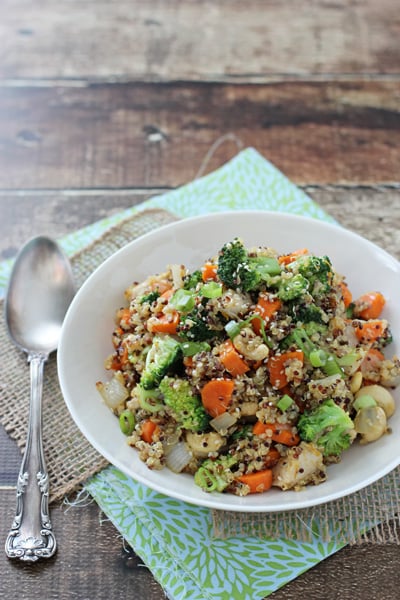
(364,401)
(317,358)
(266,266)
(127,422)
(212,289)
(285,402)
(183,300)
(192,348)
(331,366)
(349,359)
(233,328)
(149,400)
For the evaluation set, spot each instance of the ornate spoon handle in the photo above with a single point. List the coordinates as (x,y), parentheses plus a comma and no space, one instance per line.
(31,536)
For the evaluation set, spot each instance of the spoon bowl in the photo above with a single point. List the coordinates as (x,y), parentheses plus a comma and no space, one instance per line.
(39,293)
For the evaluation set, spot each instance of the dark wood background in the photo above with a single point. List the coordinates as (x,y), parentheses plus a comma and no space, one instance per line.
(104,104)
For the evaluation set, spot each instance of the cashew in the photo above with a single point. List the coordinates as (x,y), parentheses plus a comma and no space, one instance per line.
(381,395)
(201,444)
(248,343)
(370,423)
(355,382)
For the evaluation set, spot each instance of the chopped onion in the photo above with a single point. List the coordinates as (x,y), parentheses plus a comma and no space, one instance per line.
(178,457)
(114,391)
(223,421)
(177,275)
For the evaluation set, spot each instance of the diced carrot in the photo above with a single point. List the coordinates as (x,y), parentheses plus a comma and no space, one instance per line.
(281,433)
(286,437)
(216,396)
(188,361)
(148,430)
(369,305)
(267,306)
(258,482)
(272,458)
(209,271)
(123,317)
(123,354)
(232,360)
(346,294)
(286,259)
(372,361)
(115,364)
(161,286)
(369,331)
(164,324)
(277,364)
(167,294)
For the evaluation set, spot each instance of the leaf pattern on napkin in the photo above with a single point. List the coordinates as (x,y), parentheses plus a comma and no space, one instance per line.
(236,568)
(173,538)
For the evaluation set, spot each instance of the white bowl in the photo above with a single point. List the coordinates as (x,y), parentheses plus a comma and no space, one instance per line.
(86,341)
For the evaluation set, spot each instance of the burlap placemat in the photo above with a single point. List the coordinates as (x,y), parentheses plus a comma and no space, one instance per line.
(71,460)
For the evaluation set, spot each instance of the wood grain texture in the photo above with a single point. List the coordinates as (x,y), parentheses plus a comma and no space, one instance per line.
(93,563)
(149,135)
(372,212)
(104,103)
(197,39)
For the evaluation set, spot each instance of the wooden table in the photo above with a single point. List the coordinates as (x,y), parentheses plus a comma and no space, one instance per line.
(104,104)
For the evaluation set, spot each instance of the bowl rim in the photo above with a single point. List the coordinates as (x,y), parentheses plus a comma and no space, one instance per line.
(209,500)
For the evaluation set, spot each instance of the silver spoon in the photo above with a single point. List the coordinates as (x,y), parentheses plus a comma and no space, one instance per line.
(39,293)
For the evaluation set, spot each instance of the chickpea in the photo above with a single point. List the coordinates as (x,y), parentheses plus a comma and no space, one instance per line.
(381,395)
(370,423)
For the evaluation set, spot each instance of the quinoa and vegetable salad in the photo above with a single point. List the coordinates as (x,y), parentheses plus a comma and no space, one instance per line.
(258,369)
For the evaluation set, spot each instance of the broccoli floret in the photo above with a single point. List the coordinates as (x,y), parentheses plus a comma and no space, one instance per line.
(329,427)
(215,475)
(193,326)
(233,267)
(163,355)
(314,327)
(151,297)
(237,270)
(190,281)
(317,270)
(307,313)
(292,288)
(186,406)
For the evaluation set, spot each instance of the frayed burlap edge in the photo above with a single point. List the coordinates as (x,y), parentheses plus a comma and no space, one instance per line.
(70,459)
(371,515)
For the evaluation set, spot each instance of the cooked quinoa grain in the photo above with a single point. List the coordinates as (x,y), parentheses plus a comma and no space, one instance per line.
(246,372)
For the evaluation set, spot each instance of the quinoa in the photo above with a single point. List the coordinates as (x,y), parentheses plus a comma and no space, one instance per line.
(231,335)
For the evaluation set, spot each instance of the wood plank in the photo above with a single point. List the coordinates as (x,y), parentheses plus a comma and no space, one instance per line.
(93,562)
(181,39)
(371,212)
(148,135)
(92,559)
(55,214)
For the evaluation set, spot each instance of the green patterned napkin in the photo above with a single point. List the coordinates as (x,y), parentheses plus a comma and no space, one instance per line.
(173,538)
